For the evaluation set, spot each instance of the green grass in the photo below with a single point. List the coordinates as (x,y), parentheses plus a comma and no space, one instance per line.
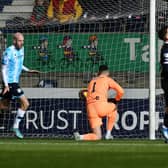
(39,153)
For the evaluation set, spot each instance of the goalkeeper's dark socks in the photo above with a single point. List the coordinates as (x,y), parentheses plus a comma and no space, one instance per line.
(166,120)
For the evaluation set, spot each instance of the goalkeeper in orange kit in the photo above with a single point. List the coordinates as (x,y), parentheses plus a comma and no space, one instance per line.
(98,105)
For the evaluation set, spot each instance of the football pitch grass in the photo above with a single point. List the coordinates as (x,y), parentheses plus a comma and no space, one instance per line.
(50,153)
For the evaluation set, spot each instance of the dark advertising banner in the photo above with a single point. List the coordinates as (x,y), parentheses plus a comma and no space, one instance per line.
(59,117)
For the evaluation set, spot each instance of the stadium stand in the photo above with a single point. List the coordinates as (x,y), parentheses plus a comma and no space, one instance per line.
(17,8)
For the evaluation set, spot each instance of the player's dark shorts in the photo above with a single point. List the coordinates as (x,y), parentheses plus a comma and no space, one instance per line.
(15,92)
(164,85)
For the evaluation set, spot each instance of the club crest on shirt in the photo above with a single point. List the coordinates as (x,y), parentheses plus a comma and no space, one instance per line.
(15,55)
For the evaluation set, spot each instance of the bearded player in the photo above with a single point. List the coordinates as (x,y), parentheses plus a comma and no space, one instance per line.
(12,66)
(98,106)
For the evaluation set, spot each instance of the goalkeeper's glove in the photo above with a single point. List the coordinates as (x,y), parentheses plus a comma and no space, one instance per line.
(83,94)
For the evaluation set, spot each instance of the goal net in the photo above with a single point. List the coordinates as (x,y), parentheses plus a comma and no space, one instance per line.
(68,46)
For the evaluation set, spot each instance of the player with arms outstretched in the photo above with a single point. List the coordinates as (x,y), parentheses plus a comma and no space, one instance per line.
(12,66)
(98,105)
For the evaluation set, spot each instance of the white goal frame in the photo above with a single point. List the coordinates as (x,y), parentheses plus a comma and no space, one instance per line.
(152,76)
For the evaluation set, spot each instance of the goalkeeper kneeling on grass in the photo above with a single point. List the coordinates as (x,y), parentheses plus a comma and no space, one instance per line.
(98,106)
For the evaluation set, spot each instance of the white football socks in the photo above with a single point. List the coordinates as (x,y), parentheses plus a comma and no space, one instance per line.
(19,116)
(108,133)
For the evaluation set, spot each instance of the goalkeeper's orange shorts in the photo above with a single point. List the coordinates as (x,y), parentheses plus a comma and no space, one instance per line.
(96,111)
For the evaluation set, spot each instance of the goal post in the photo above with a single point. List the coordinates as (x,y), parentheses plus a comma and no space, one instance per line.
(152,73)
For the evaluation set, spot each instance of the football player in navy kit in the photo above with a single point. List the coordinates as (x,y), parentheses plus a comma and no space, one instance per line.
(163,35)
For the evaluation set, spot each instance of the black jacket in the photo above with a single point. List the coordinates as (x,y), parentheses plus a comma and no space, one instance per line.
(164,60)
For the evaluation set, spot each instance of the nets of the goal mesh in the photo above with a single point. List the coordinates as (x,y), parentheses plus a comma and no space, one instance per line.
(67,41)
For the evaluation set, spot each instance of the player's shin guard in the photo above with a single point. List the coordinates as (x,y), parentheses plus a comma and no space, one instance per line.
(19,116)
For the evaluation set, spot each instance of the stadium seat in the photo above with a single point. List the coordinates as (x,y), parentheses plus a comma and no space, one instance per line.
(3,3)
(17,8)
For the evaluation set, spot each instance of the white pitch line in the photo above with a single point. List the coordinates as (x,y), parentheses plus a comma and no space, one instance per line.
(81,144)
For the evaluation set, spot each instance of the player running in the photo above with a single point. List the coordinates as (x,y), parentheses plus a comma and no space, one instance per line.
(163,35)
(12,66)
(98,105)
